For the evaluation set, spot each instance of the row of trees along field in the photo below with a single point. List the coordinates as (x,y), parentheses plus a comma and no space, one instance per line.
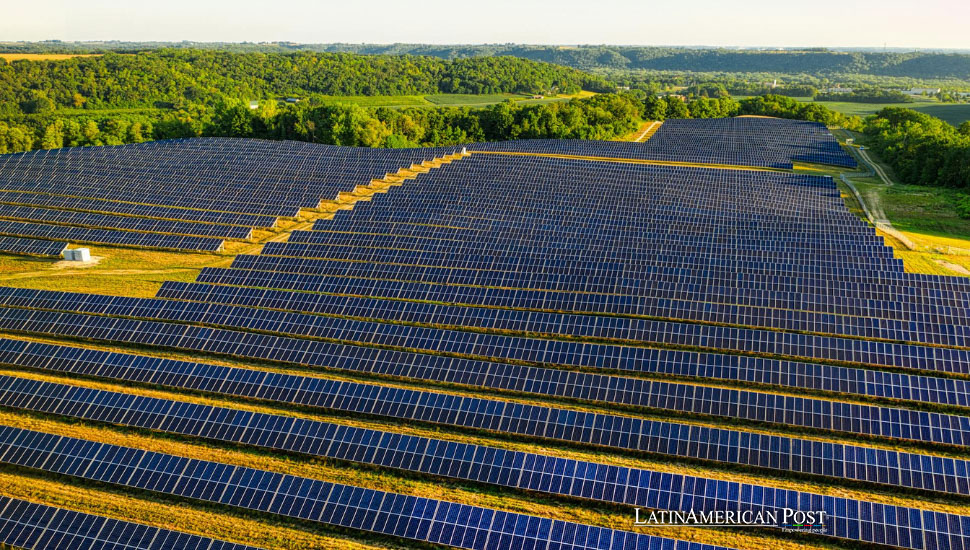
(603,116)
(171,77)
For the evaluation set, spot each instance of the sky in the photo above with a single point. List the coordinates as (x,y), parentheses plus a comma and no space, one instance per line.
(820,23)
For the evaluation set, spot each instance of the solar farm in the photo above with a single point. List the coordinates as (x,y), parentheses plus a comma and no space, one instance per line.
(496,346)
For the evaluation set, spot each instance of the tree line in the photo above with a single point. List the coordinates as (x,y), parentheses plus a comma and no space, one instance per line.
(167,78)
(603,116)
(814,61)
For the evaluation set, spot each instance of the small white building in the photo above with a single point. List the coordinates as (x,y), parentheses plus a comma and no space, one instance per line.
(254,104)
(838,90)
(77,255)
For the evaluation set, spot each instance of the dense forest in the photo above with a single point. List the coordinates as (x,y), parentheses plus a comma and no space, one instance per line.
(173,77)
(921,65)
(920,148)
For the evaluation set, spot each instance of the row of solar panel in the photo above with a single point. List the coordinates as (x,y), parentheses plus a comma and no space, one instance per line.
(653,197)
(196,174)
(568,209)
(98,206)
(799,207)
(680,363)
(627,247)
(239,206)
(678,397)
(346,227)
(927,296)
(329,231)
(408,517)
(360,508)
(445,265)
(676,305)
(31,247)
(935,311)
(101,221)
(555,324)
(105,236)
(656,332)
(390,449)
(670,145)
(36,526)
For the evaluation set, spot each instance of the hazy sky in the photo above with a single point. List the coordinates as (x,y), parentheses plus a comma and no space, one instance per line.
(896,23)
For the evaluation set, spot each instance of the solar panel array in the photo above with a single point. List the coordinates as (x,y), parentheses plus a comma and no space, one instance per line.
(33,526)
(740,141)
(186,195)
(566,331)
(31,247)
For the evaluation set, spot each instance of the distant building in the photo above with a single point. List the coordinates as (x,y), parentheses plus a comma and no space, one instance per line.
(292,100)
(537,96)
(623,88)
(838,90)
(254,104)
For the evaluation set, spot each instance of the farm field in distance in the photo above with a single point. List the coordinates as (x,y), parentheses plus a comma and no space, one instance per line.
(954,113)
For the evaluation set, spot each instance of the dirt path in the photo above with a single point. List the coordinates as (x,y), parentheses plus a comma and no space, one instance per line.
(878,169)
(953,267)
(646,131)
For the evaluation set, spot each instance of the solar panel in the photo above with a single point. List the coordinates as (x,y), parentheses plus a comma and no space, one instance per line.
(408,517)
(31,247)
(26,524)
(665,438)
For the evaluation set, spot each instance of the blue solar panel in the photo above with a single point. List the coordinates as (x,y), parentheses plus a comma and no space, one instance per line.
(414,518)
(26,524)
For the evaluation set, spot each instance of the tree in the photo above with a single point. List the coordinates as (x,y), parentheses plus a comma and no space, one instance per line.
(655,108)
(91,132)
(38,103)
(676,108)
(53,136)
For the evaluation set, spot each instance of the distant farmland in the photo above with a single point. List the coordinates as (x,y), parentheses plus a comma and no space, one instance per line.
(953,113)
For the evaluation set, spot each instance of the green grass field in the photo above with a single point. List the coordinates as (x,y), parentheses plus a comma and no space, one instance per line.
(953,113)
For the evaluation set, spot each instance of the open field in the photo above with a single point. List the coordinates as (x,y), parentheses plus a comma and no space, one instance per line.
(953,113)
